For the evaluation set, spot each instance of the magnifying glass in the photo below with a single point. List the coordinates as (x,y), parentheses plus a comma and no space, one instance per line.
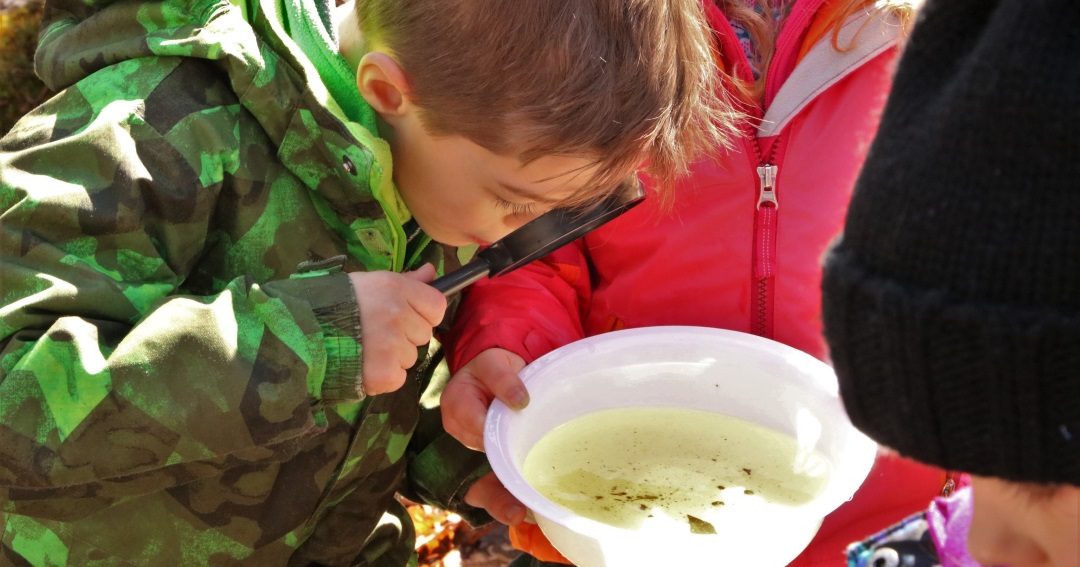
(539,237)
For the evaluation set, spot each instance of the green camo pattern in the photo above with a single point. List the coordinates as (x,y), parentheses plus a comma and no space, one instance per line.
(172,391)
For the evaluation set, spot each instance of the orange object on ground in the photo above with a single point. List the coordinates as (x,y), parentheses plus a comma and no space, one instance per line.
(528,538)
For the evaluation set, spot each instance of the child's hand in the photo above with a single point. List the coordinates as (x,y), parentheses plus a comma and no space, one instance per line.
(488,493)
(397,315)
(465,401)
(492,374)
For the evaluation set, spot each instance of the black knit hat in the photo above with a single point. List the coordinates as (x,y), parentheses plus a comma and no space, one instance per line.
(952,302)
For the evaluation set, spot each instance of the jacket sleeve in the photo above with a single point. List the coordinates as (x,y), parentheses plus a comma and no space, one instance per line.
(529,311)
(113,382)
(441,470)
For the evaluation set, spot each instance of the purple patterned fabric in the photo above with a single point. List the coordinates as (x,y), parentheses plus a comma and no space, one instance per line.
(936,537)
(949,519)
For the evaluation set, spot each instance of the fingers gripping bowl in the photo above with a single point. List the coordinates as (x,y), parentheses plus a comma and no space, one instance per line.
(721,447)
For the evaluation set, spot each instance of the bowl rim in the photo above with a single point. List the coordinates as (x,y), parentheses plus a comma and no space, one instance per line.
(501,461)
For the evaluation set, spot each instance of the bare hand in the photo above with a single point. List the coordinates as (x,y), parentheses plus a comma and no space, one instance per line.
(397,314)
(465,401)
(469,393)
(488,493)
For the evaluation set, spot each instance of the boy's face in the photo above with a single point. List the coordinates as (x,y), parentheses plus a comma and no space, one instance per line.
(1011,526)
(461,193)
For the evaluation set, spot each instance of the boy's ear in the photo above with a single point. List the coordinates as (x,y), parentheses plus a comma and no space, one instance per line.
(383,85)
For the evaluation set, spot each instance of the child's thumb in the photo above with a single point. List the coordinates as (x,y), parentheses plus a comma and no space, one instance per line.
(425,273)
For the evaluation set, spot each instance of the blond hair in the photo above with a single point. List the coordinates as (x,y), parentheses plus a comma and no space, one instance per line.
(759,20)
(631,82)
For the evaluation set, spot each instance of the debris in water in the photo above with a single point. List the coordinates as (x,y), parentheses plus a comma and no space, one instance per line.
(699,526)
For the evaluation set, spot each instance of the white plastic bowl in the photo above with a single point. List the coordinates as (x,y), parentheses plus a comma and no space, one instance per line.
(727,372)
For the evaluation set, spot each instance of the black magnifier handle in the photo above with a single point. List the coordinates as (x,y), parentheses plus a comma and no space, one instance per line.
(539,237)
(463,277)
(494,258)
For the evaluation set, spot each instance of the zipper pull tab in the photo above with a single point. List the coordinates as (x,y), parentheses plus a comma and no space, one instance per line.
(767,175)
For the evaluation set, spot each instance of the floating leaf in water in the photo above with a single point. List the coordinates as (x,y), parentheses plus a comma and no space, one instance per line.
(699,526)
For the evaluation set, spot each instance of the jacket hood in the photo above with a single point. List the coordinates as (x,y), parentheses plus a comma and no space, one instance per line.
(80,37)
(247,43)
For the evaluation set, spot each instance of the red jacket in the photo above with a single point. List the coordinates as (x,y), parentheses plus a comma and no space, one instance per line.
(739,250)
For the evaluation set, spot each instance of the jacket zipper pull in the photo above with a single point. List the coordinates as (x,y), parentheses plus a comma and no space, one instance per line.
(767,175)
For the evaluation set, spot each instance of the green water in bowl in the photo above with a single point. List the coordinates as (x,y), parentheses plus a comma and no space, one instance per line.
(670,468)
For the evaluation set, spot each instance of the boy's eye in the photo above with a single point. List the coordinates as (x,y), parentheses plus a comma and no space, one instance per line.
(514,208)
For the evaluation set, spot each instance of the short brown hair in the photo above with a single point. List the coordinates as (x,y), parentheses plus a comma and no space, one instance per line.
(632,82)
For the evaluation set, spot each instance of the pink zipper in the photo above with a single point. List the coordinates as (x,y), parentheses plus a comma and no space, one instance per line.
(766,215)
(766,212)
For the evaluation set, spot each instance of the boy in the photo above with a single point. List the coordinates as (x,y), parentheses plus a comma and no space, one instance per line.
(187,365)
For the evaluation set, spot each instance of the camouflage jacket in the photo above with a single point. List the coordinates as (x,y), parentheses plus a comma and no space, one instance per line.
(173,389)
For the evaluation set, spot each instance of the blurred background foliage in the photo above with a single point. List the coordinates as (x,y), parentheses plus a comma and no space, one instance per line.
(20,89)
